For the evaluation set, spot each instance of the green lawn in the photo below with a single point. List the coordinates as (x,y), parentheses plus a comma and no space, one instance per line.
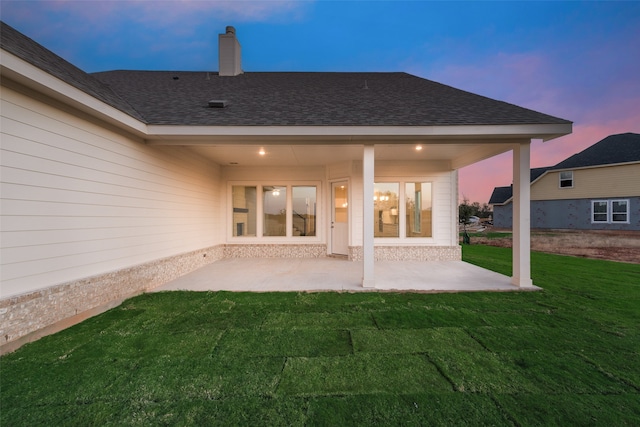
(568,355)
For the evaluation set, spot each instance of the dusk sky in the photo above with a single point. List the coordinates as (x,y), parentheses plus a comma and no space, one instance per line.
(576,60)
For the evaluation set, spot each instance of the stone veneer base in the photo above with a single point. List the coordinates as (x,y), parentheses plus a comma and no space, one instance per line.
(409,253)
(27,317)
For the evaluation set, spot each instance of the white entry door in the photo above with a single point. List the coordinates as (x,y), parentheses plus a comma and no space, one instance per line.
(340,218)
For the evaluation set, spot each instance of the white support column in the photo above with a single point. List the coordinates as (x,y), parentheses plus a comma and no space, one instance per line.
(368,177)
(521,216)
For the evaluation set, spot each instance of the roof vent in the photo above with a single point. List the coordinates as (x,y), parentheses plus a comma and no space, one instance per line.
(218,103)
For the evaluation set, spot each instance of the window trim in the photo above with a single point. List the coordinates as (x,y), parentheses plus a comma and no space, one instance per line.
(403,239)
(288,237)
(626,213)
(609,212)
(561,180)
(593,212)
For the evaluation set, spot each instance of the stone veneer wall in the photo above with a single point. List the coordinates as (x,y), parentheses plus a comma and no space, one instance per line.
(24,314)
(275,251)
(410,253)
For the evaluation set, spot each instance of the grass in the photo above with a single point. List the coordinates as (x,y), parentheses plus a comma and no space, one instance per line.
(569,355)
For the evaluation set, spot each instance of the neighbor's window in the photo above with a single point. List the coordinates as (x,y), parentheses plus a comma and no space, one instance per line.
(418,209)
(566,179)
(600,209)
(244,210)
(619,211)
(303,203)
(385,209)
(274,205)
(610,211)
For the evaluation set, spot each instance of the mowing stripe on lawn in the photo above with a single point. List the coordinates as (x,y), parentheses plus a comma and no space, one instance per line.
(361,374)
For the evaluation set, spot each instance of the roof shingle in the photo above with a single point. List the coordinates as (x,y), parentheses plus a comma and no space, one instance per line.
(614,149)
(278,99)
(310,99)
(28,50)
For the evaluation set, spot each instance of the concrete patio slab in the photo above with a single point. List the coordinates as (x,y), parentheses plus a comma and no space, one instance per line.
(335,274)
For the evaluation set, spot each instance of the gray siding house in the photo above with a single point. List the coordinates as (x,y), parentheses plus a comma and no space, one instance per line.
(596,189)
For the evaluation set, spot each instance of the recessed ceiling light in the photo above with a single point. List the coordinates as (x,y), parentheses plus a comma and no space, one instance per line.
(418,147)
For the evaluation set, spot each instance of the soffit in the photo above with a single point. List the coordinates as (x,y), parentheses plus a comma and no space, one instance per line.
(456,155)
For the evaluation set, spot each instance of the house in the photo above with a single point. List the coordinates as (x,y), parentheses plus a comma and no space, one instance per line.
(596,189)
(117,182)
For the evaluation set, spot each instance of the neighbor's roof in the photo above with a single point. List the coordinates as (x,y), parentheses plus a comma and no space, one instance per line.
(614,149)
(501,195)
(278,99)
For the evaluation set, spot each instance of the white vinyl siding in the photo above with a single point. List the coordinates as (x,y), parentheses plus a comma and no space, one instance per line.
(78,200)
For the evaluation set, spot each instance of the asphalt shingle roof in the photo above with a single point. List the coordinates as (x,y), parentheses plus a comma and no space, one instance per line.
(278,99)
(614,149)
(25,48)
(309,99)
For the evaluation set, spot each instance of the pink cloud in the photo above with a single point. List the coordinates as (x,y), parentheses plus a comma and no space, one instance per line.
(600,100)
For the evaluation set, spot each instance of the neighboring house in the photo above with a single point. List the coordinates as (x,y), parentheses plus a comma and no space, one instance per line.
(117,182)
(596,189)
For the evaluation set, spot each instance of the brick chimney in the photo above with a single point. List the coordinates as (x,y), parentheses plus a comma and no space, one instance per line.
(229,54)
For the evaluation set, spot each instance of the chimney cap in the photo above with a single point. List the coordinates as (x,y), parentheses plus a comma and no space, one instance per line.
(230,30)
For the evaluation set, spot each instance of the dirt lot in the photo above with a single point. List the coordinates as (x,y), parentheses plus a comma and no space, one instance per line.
(621,246)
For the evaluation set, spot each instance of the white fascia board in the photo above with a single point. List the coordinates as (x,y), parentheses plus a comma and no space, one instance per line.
(33,77)
(168,134)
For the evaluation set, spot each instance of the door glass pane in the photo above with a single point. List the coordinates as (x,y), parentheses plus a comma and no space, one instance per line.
(303,200)
(385,209)
(274,200)
(340,203)
(244,210)
(418,209)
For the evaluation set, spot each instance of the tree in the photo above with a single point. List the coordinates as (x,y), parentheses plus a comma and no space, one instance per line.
(465,211)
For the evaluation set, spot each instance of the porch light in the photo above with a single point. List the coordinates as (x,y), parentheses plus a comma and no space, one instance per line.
(418,147)
(262,152)
(275,192)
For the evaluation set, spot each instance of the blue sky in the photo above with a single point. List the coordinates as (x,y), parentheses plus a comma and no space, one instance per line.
(576,60)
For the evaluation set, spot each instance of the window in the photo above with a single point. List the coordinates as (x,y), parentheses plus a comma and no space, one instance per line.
(385,209)
(418,211)
(620,211)
(610,211)
(303,210)
(274,204)
(566,179)
(284,211)
(402,210)
(600,211)
(244,210)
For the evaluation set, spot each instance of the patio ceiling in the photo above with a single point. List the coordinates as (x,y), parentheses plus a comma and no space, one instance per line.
(457,155)
(316,145)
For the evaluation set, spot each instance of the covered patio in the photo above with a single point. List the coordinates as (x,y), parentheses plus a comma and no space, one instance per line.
(341,275)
